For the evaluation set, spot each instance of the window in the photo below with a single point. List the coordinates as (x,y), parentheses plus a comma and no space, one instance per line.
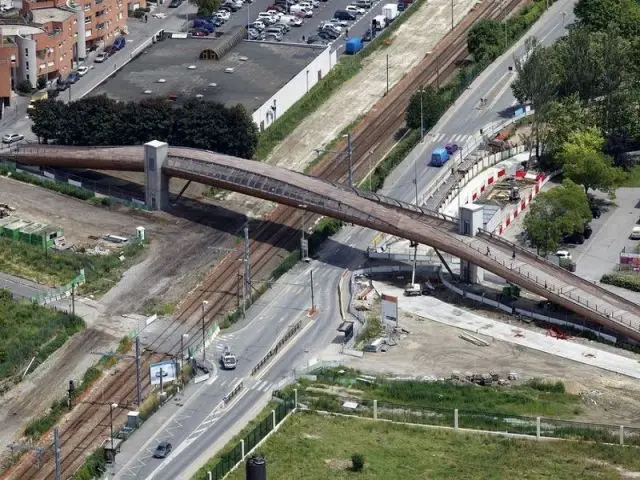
(26,52)
(26,64)
(27,76)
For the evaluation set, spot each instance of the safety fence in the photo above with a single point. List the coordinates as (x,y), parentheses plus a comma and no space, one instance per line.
(250,441)
(274,351)
(60,292)
(538,427)
(232,394)
(210,333)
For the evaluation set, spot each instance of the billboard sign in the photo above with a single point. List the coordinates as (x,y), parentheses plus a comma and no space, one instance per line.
(389,308)
(168,369)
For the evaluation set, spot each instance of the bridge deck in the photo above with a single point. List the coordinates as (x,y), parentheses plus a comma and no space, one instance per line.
(370,210)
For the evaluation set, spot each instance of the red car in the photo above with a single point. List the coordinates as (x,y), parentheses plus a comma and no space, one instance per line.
(199,33)
(277,8)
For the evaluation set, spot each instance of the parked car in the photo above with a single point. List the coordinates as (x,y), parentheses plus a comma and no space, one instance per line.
(635,233)
(363,3)
(368,36)
(196,32)
(575,238)
(175,3)
(282,27)
(451,148)
(291,20)
(329,27)
(344,15)
(258,25)
(338,22)
(355,10)
(273,36)
(120,42)
(588,231)
(328,35)
(111,50)
(73,77)
(101,57)
(62,85)
(162,450)
(276,7)
(266,18)
(12,138)
(82,70)
(223,15)
(232,6)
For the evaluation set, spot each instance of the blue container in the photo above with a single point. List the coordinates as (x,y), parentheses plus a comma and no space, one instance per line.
(439,157)
(353,45)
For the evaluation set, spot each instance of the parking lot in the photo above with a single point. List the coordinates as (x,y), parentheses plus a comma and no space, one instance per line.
(325,11)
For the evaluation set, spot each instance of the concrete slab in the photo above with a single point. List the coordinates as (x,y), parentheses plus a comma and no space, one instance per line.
(438,311)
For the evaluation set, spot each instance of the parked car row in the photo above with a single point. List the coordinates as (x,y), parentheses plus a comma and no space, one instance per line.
(117,45)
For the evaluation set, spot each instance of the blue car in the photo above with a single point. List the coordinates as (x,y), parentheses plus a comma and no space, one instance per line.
(119,43)
(73,77)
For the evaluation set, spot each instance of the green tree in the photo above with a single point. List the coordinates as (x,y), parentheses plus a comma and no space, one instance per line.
(207,7)
(581,141)
(149,119)
(433,106)
(563,117)
(605,15)
(560,211)
(485,40)
(46,115)
(593,170)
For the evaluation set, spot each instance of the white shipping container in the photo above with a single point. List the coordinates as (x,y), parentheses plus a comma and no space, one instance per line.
(390,11)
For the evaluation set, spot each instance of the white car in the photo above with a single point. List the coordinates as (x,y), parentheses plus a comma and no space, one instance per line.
(12,138)
(101,57)
(266,18)
(355,10)
(82,70)
(223,15)
(635,233)
(258,25)
(275,14)
(338,23)
(159,15)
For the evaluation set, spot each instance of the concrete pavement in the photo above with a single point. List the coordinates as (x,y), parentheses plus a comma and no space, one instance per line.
(20,287)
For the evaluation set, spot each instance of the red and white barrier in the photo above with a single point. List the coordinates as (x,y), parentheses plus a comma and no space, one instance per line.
(512,215)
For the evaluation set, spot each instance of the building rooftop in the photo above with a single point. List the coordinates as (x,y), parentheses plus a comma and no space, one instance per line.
(249,74)
(45,15)
(13,30)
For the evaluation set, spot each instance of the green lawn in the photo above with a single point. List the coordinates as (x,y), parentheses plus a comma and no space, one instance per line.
(28,330)
(633,180)
(531,398)
(59,268)
(310,447)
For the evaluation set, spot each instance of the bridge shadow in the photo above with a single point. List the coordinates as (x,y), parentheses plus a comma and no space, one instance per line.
(214,215)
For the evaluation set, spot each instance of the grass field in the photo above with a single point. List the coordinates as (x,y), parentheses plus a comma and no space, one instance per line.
(58,268)
(28,330)
(312,447)
(531,398)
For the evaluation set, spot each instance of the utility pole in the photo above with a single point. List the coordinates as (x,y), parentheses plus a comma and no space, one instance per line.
(204,350)
(73,298)
(136,357)
(421,115)
(247,268)
(387,93)
(56,451)
(451,15)
(350,151)
(313,303)
(304,243)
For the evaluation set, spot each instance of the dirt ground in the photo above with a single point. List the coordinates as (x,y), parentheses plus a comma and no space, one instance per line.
(180,252)
(432,349)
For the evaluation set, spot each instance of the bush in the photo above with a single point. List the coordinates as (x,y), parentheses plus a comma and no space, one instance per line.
(41,84)
(24,87)
(357,462)
(630,282)
(94,466)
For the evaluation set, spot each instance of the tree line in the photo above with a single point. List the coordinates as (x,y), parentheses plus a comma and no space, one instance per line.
(103,121)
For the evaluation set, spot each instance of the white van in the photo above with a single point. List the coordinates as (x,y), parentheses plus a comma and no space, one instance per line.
(412,289)
(381,21)
(635,233)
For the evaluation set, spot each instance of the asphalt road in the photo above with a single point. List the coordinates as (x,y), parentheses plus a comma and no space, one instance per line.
(20,287)
(196,431)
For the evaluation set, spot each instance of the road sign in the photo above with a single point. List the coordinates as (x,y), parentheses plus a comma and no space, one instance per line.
(389,308)
(304,248)
(168,368)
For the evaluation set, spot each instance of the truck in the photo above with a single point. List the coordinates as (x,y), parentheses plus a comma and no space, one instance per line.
(439,157)
(390,12)
(379,22)
(412,289)
(228,360)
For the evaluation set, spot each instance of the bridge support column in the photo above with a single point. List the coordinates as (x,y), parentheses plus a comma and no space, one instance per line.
(156,185)
(471,218)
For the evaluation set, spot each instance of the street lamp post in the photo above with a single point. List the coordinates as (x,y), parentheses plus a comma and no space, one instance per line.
(184,335)
(204,350)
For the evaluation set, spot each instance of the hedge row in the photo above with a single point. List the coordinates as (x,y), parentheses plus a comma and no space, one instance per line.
(630,282)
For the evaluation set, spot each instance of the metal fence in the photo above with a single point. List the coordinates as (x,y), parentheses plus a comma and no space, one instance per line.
(251,440)
(476,420)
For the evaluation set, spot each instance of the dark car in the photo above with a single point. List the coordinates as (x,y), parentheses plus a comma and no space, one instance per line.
(325,35)
(344,15)
(62,85)
(175,3)
(73,77)
(575,238)
(162,450)
(588,231)
(368,36)
(119,43)
(451,148)
(331,33)
(111,50)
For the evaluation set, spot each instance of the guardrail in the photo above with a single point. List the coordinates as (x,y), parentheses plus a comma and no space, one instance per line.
(231,395)
(274,351)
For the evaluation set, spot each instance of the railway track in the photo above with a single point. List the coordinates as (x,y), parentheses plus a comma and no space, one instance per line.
(372,138)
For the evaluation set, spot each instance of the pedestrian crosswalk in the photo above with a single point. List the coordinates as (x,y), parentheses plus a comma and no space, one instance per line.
(444,138)
(261,385)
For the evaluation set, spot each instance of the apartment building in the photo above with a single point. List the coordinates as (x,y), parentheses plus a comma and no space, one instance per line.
(52,35)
